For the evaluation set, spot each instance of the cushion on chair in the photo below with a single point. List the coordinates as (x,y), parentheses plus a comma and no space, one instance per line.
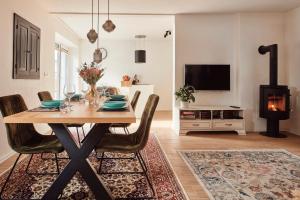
(42,144)
(133,142)
(117,143)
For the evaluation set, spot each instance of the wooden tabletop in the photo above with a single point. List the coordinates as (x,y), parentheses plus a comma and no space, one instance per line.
(81,113)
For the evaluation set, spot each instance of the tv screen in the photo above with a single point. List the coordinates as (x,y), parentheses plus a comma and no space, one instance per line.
(208,77)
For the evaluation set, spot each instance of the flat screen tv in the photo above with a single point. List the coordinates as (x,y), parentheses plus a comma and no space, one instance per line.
(208,77)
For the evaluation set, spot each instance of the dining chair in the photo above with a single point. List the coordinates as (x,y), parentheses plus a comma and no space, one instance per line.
(133,104)
(24,139)
(132,143)
(112,91)
(46,96)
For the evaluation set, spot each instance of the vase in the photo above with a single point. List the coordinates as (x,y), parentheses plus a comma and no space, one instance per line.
(184,104)
(92,95)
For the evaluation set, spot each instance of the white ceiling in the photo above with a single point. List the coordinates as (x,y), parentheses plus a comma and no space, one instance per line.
(131,19)
(127,26)
(172,6)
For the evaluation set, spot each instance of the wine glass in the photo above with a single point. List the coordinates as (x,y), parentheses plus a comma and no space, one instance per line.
(69,92)
(84,90)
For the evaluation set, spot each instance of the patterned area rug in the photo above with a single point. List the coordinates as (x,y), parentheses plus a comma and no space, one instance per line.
(245,175)
(23,186)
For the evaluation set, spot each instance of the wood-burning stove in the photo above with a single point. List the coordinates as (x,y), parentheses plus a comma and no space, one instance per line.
(274,98)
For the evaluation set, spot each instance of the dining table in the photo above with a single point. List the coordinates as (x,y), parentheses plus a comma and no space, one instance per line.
(78,154)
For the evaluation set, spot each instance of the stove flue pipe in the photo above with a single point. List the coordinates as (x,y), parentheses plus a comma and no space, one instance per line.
(273,62)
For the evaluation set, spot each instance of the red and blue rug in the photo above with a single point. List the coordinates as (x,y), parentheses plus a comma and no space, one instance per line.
(23,186)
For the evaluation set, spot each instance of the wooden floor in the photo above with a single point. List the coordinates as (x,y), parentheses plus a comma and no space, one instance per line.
(170,143)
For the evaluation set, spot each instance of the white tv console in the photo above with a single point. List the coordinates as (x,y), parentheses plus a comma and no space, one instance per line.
(211,118)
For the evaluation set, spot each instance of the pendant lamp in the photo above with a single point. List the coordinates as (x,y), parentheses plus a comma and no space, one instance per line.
(108,25)
(92,35)
(140,51)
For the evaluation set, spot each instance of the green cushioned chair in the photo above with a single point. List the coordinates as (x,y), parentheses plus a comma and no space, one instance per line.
(133,104)
(46,96)
(130,143)
(24,139)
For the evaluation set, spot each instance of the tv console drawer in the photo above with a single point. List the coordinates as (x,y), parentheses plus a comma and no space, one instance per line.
(232,125)
(195,125)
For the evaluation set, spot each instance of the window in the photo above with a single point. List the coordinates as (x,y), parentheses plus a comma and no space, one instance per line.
(61,63)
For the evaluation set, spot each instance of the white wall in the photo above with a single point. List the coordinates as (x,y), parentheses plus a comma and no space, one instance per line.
(255,30)
(120,61)
(292,37)
(230,39)
(206,39)
(31,11)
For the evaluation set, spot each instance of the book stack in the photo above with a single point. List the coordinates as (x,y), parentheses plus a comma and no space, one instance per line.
(188,115)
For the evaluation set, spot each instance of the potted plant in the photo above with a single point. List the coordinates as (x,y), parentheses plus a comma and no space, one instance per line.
(185,95)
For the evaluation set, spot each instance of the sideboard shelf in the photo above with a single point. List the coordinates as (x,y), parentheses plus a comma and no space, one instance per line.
(211,118)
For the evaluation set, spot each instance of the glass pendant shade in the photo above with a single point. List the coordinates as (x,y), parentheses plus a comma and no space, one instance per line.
(140,50)
(92,35)
(108,26)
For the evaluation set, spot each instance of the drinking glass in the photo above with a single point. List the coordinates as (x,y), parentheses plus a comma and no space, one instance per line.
(85,88)
(63,108)
(69,92)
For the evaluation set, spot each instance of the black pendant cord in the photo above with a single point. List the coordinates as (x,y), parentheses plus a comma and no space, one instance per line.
(92,14)
(108,9)
(98,26)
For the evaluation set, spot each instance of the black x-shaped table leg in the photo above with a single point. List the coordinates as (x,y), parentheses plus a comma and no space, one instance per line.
(79,162)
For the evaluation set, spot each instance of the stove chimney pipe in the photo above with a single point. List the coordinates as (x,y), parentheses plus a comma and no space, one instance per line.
(273,61)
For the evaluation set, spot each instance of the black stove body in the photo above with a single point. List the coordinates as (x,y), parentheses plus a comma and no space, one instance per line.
(274,99)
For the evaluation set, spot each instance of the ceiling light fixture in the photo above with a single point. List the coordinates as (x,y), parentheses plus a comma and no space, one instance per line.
(140,52)
(92,35)
(108,25)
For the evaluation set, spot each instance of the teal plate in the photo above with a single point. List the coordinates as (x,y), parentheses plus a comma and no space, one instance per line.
(53,103)
(124,100)
(117,97)
(114,104)
(42,106)
(111,108)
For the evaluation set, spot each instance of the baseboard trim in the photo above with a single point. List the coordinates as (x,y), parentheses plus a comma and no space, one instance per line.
(7,156)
